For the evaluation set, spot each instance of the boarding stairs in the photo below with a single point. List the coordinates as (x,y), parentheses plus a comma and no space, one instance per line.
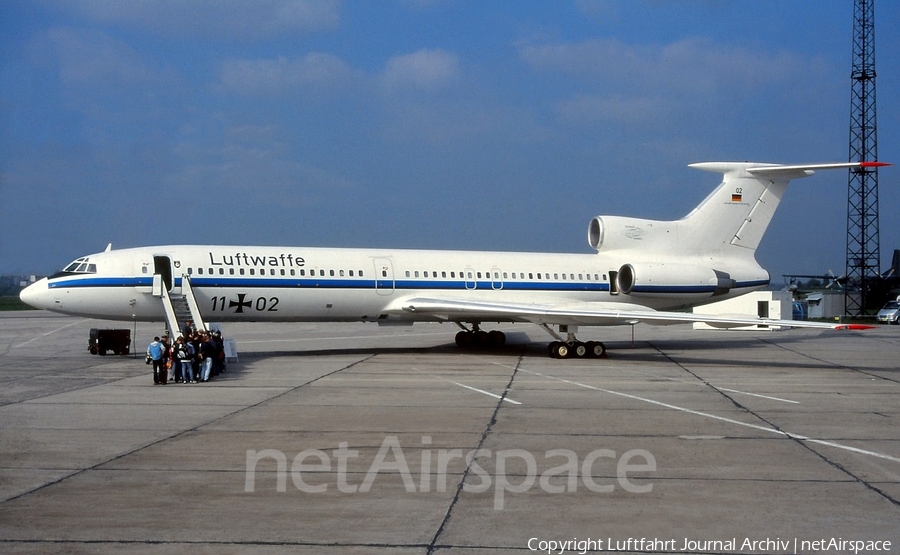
(180,308)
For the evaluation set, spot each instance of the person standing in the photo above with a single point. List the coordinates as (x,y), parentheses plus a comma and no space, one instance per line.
(207,353)
(181,361)
(155,351)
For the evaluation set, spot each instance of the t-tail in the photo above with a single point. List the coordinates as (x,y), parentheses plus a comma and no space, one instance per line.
(738,212)
(728,224)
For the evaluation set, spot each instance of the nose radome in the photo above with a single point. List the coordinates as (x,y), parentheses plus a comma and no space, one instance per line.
(35,294)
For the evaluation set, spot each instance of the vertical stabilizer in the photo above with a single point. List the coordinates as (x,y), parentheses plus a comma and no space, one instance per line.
(738,212)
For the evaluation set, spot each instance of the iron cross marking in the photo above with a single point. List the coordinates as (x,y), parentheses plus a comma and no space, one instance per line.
(240,303)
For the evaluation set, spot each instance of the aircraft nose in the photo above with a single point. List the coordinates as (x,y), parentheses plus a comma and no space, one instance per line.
(36,294)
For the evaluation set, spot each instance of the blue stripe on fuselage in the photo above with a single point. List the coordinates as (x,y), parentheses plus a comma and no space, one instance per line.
(400,284)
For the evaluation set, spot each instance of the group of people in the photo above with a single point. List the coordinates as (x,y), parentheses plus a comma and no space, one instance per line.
(195,356)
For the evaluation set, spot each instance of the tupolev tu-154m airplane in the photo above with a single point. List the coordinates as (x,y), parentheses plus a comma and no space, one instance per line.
(646,271)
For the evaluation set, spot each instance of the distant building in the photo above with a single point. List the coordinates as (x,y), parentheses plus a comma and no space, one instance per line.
(12,285)
(765,304)
(825,304)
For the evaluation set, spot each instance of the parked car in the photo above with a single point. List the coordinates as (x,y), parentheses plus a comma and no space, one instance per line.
(890,313)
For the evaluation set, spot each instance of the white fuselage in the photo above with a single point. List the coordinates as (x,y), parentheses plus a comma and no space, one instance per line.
(246,283)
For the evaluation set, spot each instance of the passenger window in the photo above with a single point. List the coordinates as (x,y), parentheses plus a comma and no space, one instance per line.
(242,271)
(200,271)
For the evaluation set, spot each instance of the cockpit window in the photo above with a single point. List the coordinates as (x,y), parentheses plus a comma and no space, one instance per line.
(80,266)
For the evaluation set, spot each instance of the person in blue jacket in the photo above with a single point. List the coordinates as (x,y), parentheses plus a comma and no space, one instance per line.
(156,352)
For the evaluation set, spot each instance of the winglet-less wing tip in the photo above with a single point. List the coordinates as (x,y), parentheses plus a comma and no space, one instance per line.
(854,327)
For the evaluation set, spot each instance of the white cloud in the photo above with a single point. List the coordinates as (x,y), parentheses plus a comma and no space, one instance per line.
(317,71)
(425,70)
(585,109)
(689,65)
(94,59)
(229,19)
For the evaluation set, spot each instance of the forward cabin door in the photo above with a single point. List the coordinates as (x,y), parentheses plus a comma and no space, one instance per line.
(162,266)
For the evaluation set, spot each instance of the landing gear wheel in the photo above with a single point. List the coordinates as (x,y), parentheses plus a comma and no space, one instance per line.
(464,339)
(579,350)
(479,338)
(596,349)
(496,338)
(558,349)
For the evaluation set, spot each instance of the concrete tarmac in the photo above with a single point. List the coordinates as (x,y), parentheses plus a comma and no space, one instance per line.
(359,439)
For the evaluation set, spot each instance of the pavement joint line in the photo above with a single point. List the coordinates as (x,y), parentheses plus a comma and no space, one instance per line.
(433,545)
(832,364)
(722,418)
(803,441)
(180,432)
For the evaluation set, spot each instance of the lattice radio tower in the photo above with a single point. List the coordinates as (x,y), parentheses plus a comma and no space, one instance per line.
(863,256)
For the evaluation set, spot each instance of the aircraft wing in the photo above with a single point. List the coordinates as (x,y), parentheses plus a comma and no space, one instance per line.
(592,314)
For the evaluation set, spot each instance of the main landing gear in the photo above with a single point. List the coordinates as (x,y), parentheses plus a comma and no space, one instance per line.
(477,337)
(577,349)
(571,347)
(561,348)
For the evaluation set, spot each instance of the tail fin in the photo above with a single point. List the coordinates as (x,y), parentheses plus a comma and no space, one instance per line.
(738,212)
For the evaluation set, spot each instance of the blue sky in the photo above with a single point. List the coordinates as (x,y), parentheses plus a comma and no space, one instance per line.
(501,125)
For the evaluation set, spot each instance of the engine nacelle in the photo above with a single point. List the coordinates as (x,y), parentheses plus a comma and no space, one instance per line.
(617,232)
(663,278)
